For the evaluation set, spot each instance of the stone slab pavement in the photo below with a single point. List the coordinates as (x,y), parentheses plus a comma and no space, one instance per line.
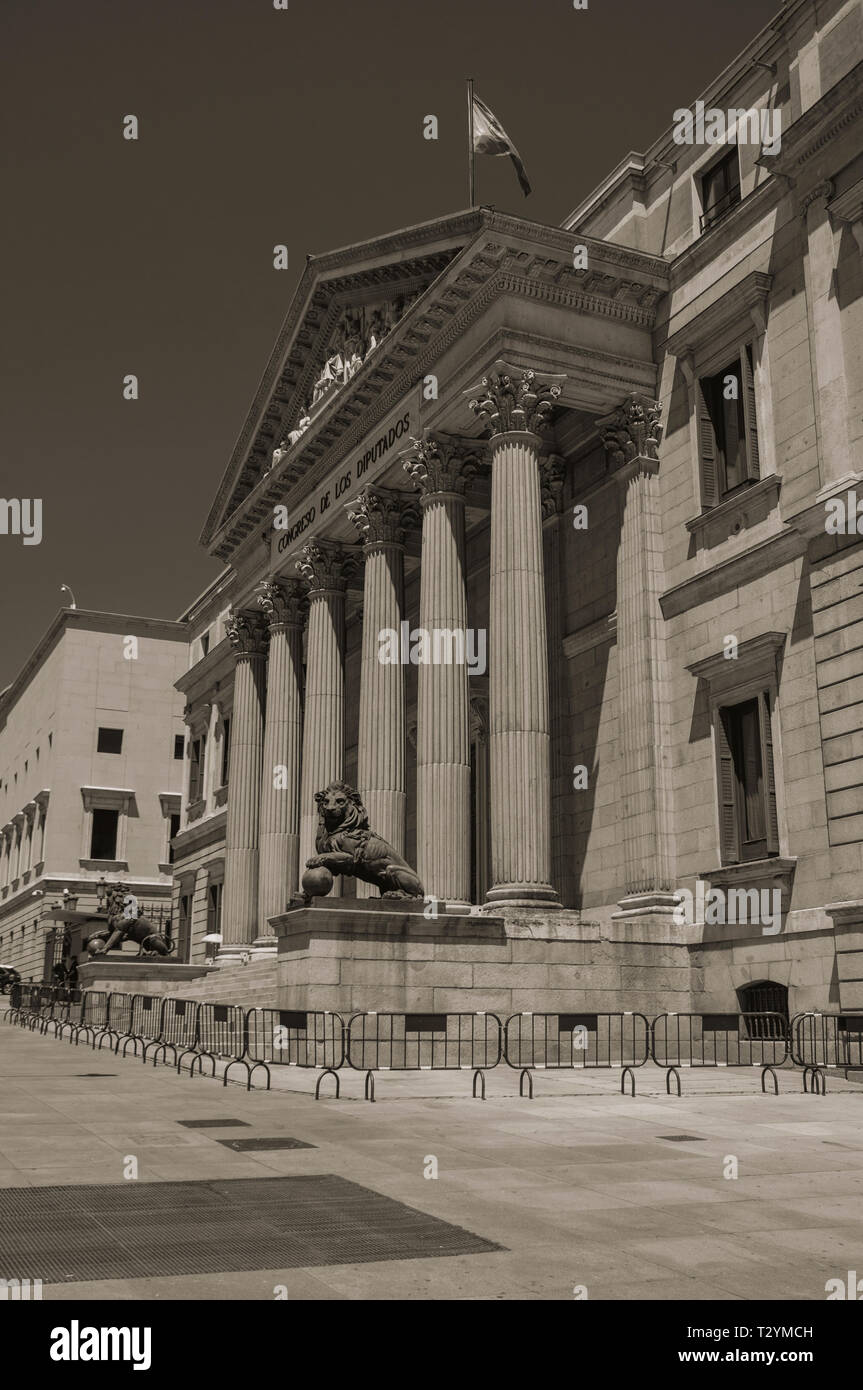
(581,1185)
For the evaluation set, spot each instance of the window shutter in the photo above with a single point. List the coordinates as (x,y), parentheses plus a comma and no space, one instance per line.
(706,446)
(752,459)
(729,832)
(770,817)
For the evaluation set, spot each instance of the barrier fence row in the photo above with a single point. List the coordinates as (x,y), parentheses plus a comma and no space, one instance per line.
(257,1039)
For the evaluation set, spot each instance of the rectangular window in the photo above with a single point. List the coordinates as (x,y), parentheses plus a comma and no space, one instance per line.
(110,741)
(103,835)
(197,753)
(747,787)
(226,751)
(179,746)
(720,189)
(174,830)
(184,926)
(727,429)
(214,908)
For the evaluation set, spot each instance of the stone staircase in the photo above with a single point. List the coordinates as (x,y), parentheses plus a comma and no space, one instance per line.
(253,986)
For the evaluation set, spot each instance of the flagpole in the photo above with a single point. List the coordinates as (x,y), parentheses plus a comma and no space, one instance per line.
(471,151)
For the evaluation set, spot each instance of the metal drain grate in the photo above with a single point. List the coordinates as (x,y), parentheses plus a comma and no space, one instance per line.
(154,1230)
(682,1138)
(96,1073)
(252,1146)
(214,1124)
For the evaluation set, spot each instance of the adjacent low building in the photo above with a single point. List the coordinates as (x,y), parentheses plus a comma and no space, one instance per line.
(92,744)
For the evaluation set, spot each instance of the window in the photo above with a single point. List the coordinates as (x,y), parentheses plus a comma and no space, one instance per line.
(174,830)
(198,753)
(110,741)
(185,926)
(727,429)
(214,908)
(765,997)
(720,189)
(747,789)
(103,835)
(226,751)
(205,643)
(179,746)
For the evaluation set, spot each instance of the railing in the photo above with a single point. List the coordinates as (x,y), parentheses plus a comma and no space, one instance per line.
(821,1042)
(576,1041)
(178,1028)
(294,1038)
(720,1040)
(145,1025)
(221,1033)
(424,1042)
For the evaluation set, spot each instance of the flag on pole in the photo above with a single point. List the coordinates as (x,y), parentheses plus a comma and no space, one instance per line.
(489,137)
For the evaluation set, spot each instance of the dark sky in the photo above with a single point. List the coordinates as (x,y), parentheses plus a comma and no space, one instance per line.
(257,127)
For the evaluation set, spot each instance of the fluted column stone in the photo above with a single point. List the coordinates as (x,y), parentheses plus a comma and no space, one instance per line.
(283,604)
(377,515)
(324,569)
(440,470)
(631,438)
(247,634)
(517,405)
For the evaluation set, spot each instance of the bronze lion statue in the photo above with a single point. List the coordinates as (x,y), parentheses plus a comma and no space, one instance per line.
(347,846)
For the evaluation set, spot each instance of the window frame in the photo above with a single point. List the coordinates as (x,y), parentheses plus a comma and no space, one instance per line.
(730,156)
(111,752)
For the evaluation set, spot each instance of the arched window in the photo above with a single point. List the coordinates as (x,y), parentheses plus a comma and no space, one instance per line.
(760,998)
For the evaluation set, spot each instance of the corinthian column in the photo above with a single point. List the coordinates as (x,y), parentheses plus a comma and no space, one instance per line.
(517,406)
(282,603)
(440,472)
(377,513)
(247,633)
(631,438)
(324,568)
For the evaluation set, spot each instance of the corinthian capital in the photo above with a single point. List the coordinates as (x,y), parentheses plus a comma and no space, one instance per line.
(436,464)
(247,633)
(282,602)
(377,515)
(632,430)
(324,566)
(512,399)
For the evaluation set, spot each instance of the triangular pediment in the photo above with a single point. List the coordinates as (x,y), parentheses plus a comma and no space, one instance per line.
(366,324)
(337,325)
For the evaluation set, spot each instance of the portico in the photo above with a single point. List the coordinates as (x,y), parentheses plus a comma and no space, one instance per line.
(412,485)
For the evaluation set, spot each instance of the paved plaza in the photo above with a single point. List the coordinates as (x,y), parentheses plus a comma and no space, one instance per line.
(579,1188)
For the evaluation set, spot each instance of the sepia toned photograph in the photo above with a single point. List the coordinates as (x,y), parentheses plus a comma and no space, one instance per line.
(431,686)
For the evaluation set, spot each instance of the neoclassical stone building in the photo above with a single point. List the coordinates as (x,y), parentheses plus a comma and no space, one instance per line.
(604,453)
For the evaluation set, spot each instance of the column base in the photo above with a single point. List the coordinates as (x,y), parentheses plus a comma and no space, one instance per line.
(264,946)
(237,953)
(522,895)
(646,905)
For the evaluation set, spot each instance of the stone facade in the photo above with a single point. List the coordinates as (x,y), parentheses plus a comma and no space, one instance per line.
(535,449)
(90,672)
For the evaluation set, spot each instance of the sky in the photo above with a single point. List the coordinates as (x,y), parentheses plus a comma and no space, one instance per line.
(257,127)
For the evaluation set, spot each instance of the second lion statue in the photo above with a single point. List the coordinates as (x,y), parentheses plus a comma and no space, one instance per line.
(347,846)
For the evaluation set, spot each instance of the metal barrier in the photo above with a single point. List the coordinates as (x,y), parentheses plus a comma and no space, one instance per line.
(293,1038)
(94,1016)
(720,1040)
(178,1028)
(118,1020)
(823,1042)
(576,1042)
(145,1024)
(66,1011)
(221,1033)
(16,994)
(423,1042)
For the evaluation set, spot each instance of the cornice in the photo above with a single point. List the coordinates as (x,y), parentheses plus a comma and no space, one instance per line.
(841,105)
(749,564)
